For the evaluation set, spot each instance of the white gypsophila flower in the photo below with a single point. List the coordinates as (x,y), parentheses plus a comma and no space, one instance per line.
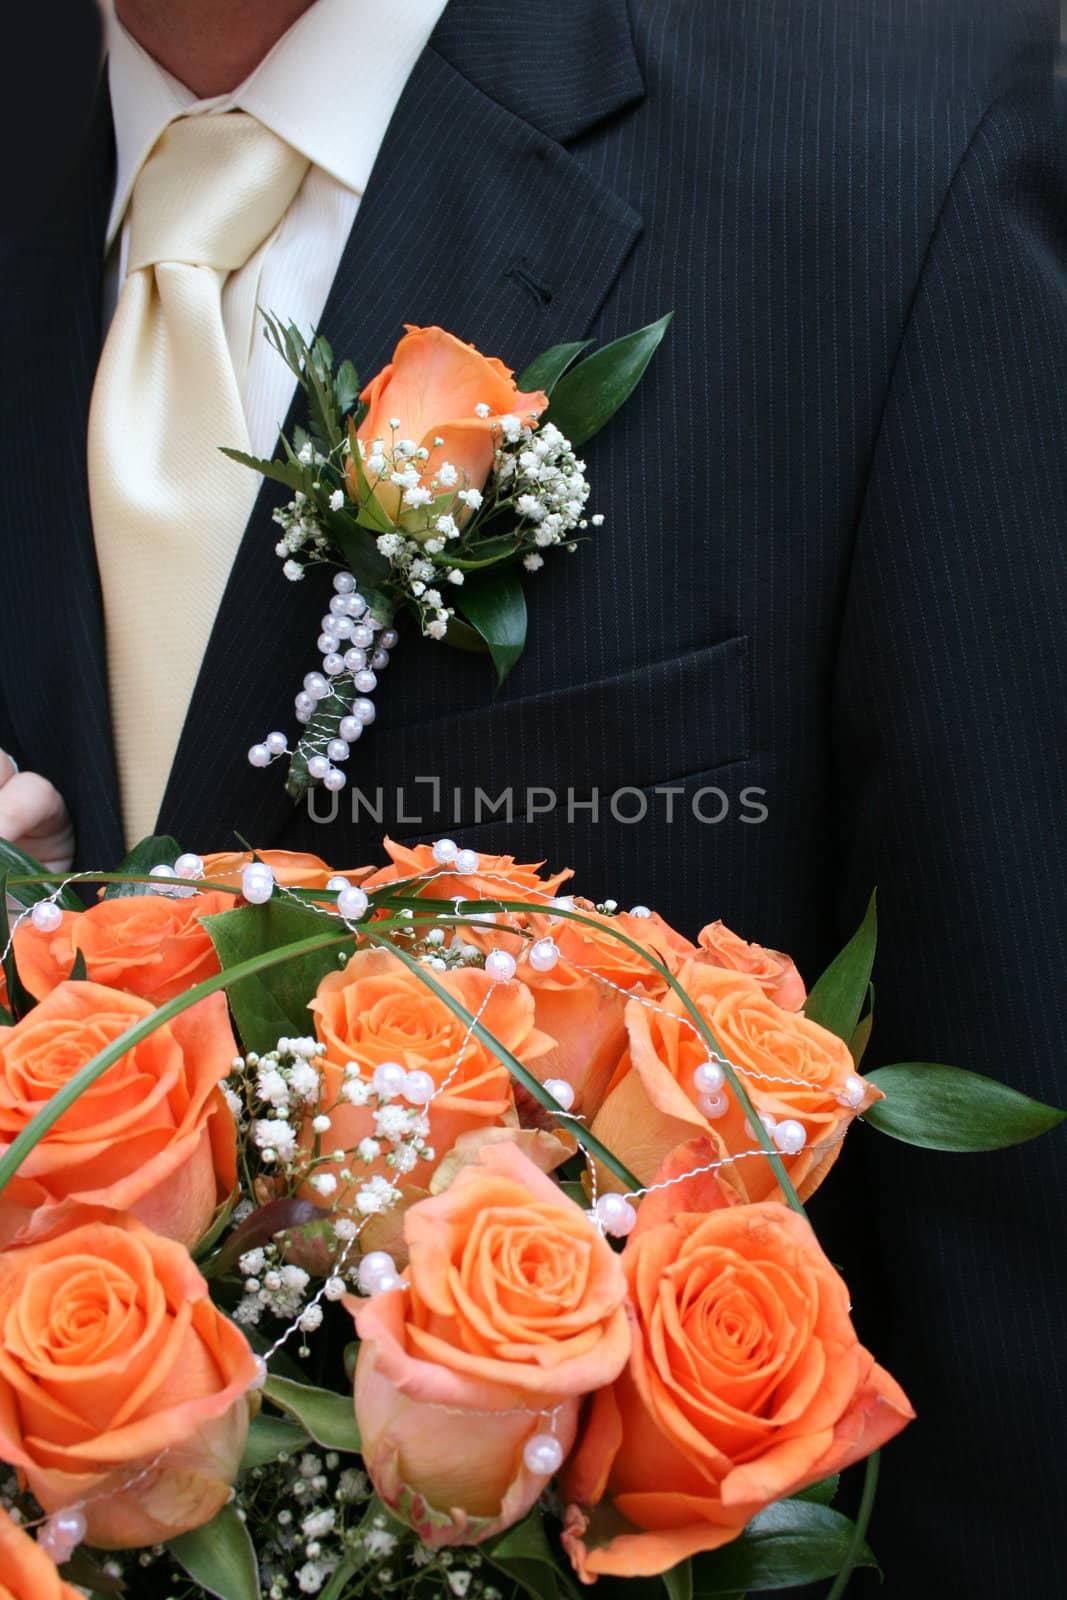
(471,498)
(293,571)
(393,1123)
(272,1087)
(459,1581)
(447,475)
(356,1092)
(248,1312)
(345,1229)
(311,1577)
(376,464)
(379,1542)
(233,1100)
(376,1196)
(251,1262)
(310,1319)
(511,427)
(304,1081)
(368,1150)
(390,545)
(437,628)
(334,1288)
(324,1183)
(533,562)
(337,500)
(295,1278)
(418,496)
(318,1523)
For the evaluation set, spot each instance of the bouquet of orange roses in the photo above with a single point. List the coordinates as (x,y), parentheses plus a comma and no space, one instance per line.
(428,1231)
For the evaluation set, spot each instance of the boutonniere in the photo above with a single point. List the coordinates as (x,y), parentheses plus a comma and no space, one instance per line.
(434,490)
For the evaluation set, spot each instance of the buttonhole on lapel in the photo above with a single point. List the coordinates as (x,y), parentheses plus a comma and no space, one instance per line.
(520,271)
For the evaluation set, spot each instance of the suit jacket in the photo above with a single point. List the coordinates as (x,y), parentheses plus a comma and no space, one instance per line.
(833,570)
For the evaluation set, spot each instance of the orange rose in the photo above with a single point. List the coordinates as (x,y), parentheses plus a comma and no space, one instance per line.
(293,869)
(152,1136)
(775,973)
(435,384)
(793,1069)
(123,1391)
(512,1311)
(28,1574)
(377,1011)
(495,877)
(746,1382)
(148,945)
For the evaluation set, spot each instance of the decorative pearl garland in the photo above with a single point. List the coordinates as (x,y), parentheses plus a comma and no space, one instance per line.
(543,1455)
(349,631)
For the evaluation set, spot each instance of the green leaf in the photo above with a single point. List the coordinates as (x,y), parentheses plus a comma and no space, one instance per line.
(339,1579)
(545,370)
(20,865)
(790,1543)
(156,851)
(216,1226)
(270,1437)
(946,1108)
(329,1418)
(525,1555)
(361,556)
(590,394)
(292,474)
(495,606)
(837,999)
(822,1493)
(273,1005)
(861,1038)
(19,997)
(220,1557)
(678,1582)
(346,387)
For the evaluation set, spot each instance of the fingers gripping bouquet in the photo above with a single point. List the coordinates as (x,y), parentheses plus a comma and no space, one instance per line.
(428,1231)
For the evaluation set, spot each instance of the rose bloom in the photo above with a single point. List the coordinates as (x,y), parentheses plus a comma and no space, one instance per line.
(149,945)
(792,1068)
(28,1574)
(746,1382)
(434,385)
(376,1011)
(495,878)
(152,1136)
(775,973)
(513,1309)
(114,1363)
(293,869)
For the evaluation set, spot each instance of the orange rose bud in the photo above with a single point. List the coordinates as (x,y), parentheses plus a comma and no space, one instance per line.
(28,1573)
(149,945)
(775,973)
(746,1382)
(436,386)
(512,1311)
(123,1391)
(795,1072)
(152,1136)
(377,1011)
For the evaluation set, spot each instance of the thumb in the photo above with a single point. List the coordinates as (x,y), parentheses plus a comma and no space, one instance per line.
(8,767)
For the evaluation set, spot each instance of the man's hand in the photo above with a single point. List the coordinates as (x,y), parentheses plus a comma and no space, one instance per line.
(33,816)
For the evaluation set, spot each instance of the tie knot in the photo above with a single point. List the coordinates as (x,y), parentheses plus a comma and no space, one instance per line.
(212,190)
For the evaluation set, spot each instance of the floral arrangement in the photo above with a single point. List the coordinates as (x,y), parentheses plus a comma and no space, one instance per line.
(428,1231)
(430,490)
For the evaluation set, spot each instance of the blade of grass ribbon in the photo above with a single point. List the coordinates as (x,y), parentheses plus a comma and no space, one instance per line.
(859,1529)
(86,1076)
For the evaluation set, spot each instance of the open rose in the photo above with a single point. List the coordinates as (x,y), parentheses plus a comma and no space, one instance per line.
(794,1071)
(377,1011)
(512,1311)
(775,973)
(293,869)
(494,877)
(746,1382)
(122,1389)
(149,945)
(28,1573)
(448,400)
(152,1136)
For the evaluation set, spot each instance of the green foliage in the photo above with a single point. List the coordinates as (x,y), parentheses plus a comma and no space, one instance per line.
(946,1108)
(156,851)
(20,1000)
(15,863)
(791,1543)
(220,1557)
(837,999)
(545,371)
(326,1417)
(269,1437)
(495,606)
(524,1554)
(274,1005)
(588,396)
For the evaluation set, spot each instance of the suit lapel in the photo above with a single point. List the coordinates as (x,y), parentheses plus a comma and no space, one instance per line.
(474,218)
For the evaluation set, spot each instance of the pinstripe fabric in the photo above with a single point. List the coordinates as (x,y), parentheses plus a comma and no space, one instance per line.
(832,567)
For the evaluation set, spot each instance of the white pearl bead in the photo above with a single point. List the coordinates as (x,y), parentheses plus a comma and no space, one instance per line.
(542,1455)
(365,681)
(355,660)
(543,955)
(325,643)
(262,1374)
(419,1088)
(321,690)
(561,1092)
(444,851)
(356,605)
(277,744)
(303,717)
(342,626)
(337,750)
(318,767)
(328,623)
(466,861)
(60,1536)
(500,965)
(854,1091)
(344,583)
(708,1078)
(315,685)
(713,1106)
(789,1136)
(350,729)
(332,664)
(364,711)
(338,883)
(46,916)
(352,903)
(190,864)
(257,883)
(376,1267)
(380,660)
(338,605)
(561,902)
(259,756)
(304,702)
(163,870)
(388,1079)
(640,911)
(389,639)
(615,1214)
(387,1283)
(363,636)
(334,780)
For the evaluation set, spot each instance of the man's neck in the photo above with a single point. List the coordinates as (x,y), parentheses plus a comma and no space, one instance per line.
(209,45)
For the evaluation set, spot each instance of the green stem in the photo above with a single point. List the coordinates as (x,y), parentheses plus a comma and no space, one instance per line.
(86,1076)
(859,1527)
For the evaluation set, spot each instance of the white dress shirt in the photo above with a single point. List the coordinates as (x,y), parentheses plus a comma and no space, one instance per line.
(329,88)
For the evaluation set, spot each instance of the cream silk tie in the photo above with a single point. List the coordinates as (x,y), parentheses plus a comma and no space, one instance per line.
(168,509)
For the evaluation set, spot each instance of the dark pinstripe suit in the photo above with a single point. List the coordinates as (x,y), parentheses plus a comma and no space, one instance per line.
(833,567)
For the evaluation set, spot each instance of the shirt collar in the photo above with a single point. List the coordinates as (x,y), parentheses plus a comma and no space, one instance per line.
(329,88)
